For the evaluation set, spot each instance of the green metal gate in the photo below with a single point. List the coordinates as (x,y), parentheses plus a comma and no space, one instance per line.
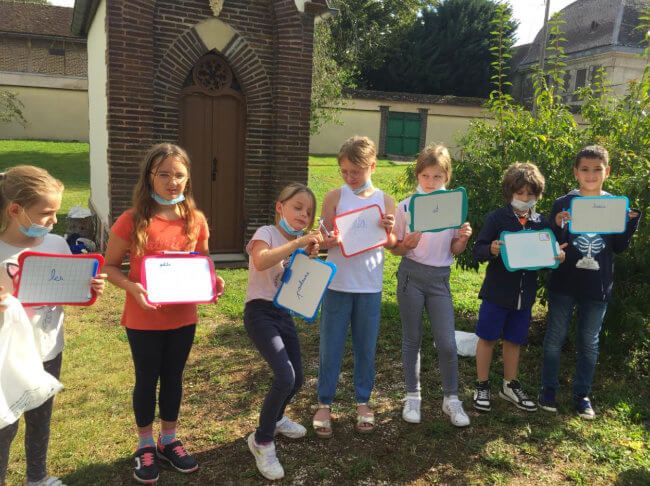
(403,133)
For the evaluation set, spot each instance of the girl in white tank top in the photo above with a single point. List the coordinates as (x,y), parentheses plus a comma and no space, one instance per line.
(353,298)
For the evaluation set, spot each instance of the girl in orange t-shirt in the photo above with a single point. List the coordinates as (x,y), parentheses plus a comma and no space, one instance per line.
(163,218)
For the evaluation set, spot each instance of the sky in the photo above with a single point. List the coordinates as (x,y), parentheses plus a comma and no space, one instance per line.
(529,13)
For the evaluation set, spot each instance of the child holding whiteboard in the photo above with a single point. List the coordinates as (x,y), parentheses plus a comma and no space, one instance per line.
(584,281)
(423,283)
(164,217)
(353,299)
(272,329)
(507,297)
(29,201)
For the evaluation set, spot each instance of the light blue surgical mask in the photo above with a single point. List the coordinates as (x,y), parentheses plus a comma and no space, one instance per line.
(288,229)
(523,205)
(35,230)
(359,190)
(167,202)
(420,190)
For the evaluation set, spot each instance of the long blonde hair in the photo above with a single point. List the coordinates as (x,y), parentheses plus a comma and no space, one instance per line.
(144,206)
(25,185)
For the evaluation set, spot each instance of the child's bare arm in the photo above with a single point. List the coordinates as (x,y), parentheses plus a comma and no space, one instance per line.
(388,221)
(116,250)
(459,243)
(330,201)
(264,257)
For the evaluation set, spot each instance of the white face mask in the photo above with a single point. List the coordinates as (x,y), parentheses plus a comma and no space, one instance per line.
(523,205)
(420,190)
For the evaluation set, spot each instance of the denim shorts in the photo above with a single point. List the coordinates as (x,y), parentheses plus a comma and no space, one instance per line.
(496,322)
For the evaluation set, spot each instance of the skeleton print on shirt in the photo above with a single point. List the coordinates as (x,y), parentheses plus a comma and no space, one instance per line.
(589,245)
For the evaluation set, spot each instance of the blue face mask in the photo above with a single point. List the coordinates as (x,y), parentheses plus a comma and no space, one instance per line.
(288,229)
(35,230)
(359,190)
(167,202)
(419,190)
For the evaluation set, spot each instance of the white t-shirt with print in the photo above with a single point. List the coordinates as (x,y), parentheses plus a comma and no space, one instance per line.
(265,284)
(46,320)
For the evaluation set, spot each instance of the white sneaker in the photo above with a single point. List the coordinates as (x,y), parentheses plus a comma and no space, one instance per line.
(411,410)
(289,428)
(265,459)
(46,481)
(453,407)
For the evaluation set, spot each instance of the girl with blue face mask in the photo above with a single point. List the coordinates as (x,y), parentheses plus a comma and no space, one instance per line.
(272,330)
(29,200)
(164,217)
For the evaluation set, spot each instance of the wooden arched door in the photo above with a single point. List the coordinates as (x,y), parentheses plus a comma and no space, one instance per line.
(212,130)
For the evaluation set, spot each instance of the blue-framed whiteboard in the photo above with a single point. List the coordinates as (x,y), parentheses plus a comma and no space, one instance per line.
(529,250)
(438,210)
(605,215)
(304,283)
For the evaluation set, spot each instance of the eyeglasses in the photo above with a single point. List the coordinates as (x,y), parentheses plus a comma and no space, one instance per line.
(355,174)
(166,177)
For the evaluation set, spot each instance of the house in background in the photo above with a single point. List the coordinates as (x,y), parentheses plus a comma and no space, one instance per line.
(45,65)
(229,81)
(599,34)
(401,124)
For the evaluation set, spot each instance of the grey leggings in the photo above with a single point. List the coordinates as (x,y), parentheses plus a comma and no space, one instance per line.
(37,434)
(420,286)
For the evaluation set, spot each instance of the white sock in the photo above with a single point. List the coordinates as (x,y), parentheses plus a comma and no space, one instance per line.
(414,395)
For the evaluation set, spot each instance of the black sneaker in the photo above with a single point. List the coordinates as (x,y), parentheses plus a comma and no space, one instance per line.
(514,393)
(482,396)
(546,400)
(146,469)
(583,407)
(177,457)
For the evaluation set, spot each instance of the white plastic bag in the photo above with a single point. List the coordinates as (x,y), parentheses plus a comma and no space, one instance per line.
(466,343)
(24,384)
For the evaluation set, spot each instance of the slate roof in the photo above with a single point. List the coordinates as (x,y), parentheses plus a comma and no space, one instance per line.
(32,18)
(592,24)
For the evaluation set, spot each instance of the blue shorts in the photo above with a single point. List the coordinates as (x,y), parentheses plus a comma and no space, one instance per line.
(496,322)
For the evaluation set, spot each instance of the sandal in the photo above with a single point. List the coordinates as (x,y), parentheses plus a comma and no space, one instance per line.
(322,428)
(365,423)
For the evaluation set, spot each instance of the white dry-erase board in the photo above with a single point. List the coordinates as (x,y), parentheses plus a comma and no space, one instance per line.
(599,214)
(360,230)
(51,279)
(529,250)
(304,283)
(438,210)
(179,279)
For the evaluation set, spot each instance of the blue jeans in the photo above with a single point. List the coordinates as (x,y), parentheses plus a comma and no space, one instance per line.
(590,320)
(340,309)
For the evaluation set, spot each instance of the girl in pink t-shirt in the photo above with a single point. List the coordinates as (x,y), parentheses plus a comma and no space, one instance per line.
(423,282)
(272,329)
(163,217)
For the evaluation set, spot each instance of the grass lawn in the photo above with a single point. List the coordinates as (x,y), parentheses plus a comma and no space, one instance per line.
(93,432)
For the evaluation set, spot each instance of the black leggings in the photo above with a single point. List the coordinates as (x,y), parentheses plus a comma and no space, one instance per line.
(159,354)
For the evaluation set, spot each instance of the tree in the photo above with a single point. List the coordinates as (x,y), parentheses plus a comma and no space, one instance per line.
(328,80)
(365,31)
(446,51)
(11,108)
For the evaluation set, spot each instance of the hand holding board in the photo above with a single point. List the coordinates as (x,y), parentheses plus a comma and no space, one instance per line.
(50,279)
(179,278)
(599,214)
(438,210)
(303,284)
(360,230)
(529,250)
